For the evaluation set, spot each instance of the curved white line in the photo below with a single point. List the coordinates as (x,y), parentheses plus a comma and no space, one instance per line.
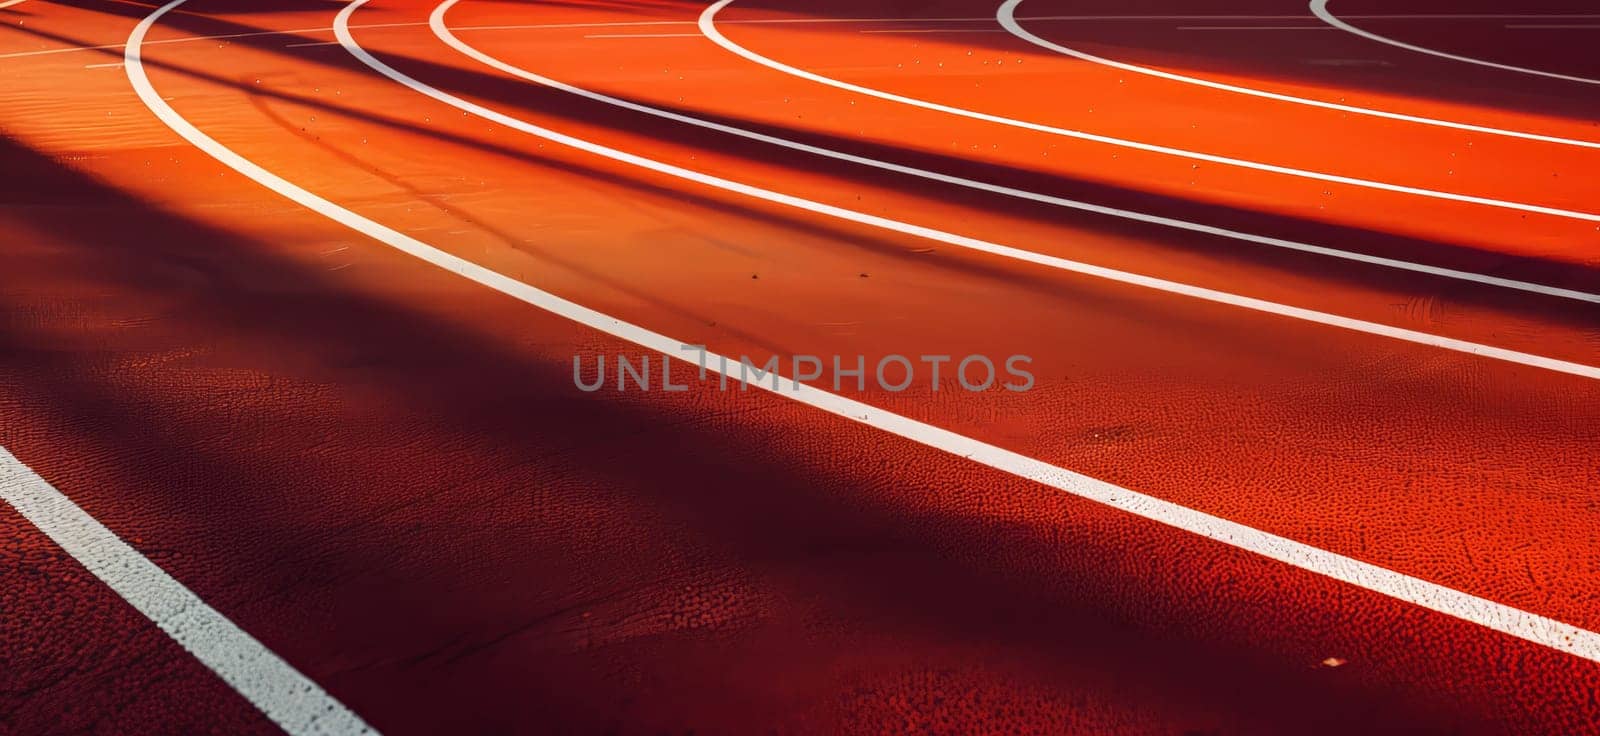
(1513,622)
(962,241)
(11,3)
(284,695)
(442,30)
(1007,15)
(708,26)
(324,29)
(1320,9)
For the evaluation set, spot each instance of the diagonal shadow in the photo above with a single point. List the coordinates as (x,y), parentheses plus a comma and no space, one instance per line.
(1043,592)
(1195,53)
(1273,57)
(1038,283)
(1287,57)
(517,95)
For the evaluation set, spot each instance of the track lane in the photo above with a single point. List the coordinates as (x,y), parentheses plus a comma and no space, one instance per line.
(79,658)
(1007,16)
(364,140)
(1359,292)
(1309,197)
(963,241)
(281,693)
(1329,65)
(708,26)
(941,320)
(440,27)
(1320,9)
(1112,704)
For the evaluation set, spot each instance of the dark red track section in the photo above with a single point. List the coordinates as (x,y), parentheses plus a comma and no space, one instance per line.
(385,474)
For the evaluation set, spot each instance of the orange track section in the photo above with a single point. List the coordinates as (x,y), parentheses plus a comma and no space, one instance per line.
(386,475)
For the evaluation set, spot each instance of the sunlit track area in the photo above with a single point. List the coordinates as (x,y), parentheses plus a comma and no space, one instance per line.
(767,366)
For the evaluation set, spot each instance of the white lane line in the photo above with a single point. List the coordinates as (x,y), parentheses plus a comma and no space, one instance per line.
(445,33)
(643,35)
(1551,26)
(1320,9)
(1432,596)
(708,26)
(962,241)
(287,697)
(103,66)
(11,3)
(310,44)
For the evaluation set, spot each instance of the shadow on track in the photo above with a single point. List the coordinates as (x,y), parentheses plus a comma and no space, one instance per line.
(1202,54)
(338,460)
(522,99)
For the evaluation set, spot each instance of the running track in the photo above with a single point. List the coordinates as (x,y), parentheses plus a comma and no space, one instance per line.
(292,294)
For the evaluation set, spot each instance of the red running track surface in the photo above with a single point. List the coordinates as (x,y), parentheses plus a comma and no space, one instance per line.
(383,472)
